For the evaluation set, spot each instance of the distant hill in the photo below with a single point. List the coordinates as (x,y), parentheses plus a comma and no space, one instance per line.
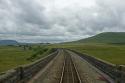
(8,42)
(106,37)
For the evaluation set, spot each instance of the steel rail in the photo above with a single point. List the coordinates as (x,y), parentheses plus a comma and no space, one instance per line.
(69,71)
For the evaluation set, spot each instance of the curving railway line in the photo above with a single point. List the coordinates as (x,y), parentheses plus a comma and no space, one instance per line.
(69,71)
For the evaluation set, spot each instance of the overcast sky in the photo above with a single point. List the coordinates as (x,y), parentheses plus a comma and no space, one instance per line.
(59,20)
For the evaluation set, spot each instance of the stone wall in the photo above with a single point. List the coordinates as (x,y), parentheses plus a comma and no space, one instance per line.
(23,73)
(117,72)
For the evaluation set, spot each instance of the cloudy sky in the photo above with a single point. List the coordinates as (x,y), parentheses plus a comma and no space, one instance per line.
(59,20)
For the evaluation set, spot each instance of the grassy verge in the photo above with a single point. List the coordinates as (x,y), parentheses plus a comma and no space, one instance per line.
(111,53)
(13,56)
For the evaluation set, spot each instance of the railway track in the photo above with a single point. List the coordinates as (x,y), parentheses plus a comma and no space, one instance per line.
(69,71)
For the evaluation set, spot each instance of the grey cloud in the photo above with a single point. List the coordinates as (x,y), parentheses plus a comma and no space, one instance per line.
(21,17)
(42,21)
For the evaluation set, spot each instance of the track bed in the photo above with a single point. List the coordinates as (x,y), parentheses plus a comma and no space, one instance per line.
(69,71)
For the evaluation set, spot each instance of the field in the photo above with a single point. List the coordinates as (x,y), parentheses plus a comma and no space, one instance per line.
(13,56)
(109,52)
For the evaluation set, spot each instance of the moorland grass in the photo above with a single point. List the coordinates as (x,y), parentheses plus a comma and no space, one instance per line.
(14,56)
(109,52)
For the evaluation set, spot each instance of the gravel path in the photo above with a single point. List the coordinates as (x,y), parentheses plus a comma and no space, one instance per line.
(87,72)
(50,74)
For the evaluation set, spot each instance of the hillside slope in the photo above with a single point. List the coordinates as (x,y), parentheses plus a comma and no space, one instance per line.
(8,42)
(107,37)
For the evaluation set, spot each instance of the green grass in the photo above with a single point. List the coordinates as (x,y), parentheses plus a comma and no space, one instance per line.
(112,53)
(12,56)
(106,37)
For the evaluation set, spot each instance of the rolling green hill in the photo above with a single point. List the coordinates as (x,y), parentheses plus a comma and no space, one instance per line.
(108,46)
(106,37)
